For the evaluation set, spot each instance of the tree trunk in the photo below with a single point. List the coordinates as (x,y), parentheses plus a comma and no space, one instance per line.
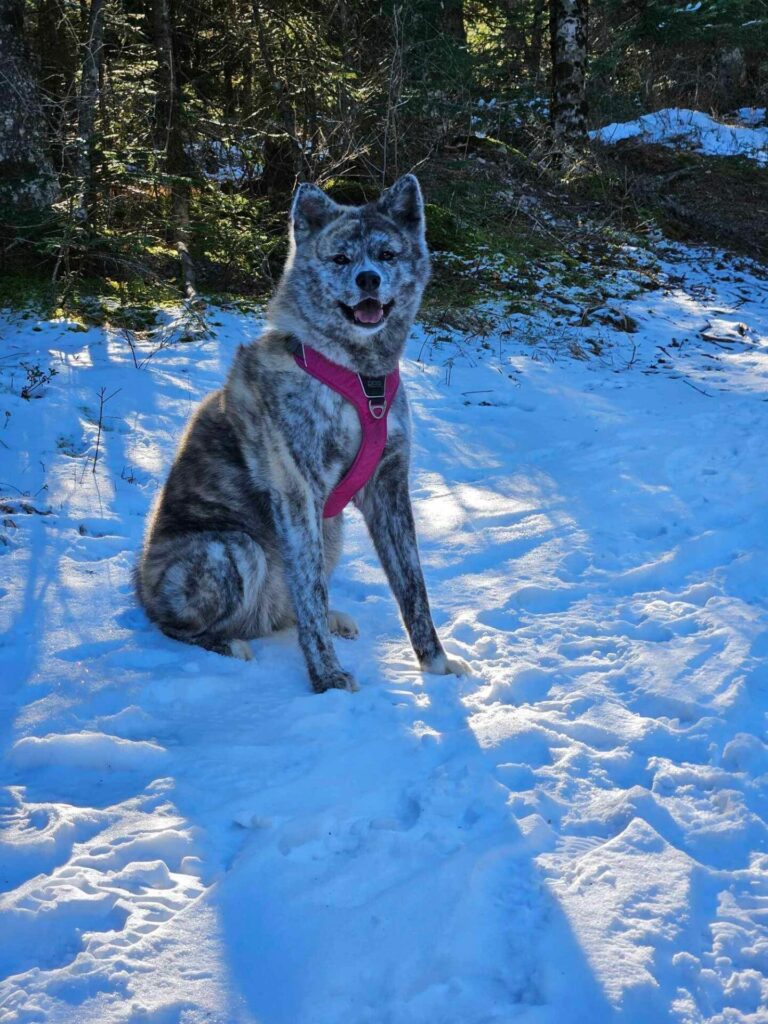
(86,111)
(453,21)
(568,35)
(57,45)
(169,137)
(534,49)
(26,176)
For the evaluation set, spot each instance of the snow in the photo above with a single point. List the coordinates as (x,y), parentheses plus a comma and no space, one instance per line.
(85,750)
(577,833)
(752,115)
(696,130)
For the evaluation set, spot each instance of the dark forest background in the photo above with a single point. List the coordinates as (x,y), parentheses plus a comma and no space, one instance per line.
(151,146)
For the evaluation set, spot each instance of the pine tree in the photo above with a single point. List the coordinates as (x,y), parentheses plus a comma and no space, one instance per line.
(26,176)
(170,138)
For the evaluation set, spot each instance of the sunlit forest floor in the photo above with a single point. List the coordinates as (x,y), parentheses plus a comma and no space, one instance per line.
(512,223)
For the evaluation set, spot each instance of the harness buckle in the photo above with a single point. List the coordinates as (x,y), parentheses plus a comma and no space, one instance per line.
(375,390)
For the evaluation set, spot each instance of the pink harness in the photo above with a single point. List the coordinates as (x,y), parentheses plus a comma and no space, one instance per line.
(372,398)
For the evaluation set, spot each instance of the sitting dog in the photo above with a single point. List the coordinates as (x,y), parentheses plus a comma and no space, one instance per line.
(248,527)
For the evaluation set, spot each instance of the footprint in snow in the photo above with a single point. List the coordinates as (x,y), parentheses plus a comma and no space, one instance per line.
(52,936)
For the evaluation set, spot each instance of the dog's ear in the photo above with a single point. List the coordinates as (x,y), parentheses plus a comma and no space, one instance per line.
(404,204)
(311,210)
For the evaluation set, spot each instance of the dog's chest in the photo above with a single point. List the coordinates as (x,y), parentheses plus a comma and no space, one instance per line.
(339,437)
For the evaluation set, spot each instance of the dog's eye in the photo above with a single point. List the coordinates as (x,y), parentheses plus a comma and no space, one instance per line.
(341,259)
(386,255)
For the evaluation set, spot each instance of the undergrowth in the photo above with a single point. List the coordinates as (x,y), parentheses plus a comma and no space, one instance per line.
(503,234)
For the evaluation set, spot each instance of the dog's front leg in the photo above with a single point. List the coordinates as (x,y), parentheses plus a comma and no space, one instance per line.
(300,534)
(386,506)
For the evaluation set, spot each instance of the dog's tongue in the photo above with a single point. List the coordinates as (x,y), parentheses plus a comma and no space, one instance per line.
(369,311)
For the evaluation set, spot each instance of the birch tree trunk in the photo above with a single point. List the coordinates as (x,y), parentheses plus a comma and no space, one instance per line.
(169,138)
(86,111)
(26,176)
(568,35)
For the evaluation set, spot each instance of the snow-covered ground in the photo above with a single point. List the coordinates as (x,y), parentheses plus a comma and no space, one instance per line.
(693,129)
(577,833)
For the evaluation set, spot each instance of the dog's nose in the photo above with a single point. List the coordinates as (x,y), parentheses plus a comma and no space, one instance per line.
(368,280)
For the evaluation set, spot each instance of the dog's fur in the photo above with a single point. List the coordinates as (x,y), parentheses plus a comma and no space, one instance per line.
(236,546)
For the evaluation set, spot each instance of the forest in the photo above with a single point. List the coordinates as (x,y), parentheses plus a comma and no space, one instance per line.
(155,145)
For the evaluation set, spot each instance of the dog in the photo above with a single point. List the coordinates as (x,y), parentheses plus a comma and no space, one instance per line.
(241,542)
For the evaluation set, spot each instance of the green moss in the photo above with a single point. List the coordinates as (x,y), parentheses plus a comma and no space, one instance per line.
(453,286)
(351,191)
(28,290)
(445,232)
(692,197)
(88,301)
(473,217)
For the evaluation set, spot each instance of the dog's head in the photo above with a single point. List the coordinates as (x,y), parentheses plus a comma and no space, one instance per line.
(355,274)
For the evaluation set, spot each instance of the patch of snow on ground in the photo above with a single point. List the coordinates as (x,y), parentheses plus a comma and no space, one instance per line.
(577,833)
(752,115)
(695,130)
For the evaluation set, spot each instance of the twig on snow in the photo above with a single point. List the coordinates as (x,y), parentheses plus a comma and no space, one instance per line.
(700,390)
(103,399)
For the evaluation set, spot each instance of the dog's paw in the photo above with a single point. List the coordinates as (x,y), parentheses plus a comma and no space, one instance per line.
(339,680)
(241,650)
(442,665)
(341,624)
(457,667)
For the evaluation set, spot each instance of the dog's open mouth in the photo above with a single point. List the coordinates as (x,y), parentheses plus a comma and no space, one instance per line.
(367,313)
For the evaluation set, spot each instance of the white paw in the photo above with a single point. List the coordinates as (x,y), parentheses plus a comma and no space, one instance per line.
(442,665)
(457,667)
(342,624)
(240,649)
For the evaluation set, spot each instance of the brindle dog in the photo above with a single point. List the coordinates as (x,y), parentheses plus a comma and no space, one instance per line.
(237,545)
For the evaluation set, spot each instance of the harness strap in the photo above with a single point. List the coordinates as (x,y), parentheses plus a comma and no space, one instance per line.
(372,398)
